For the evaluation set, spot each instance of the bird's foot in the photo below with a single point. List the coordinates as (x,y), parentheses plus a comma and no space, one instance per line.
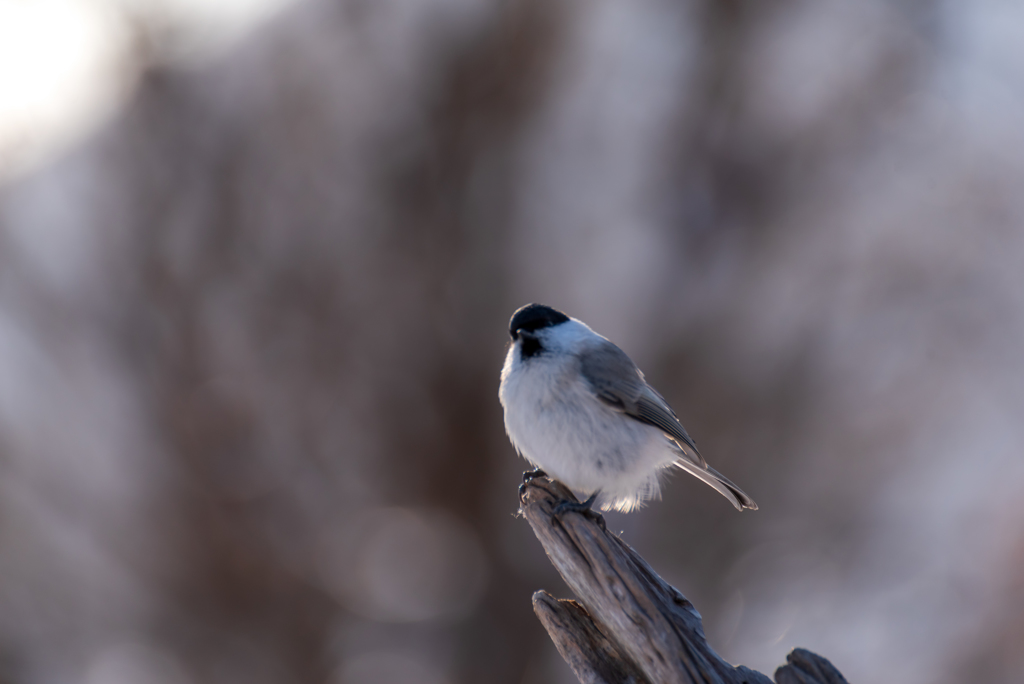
(528,477)
(584,508)
(533,474)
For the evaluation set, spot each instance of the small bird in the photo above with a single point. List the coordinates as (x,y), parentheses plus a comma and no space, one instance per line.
(578,408)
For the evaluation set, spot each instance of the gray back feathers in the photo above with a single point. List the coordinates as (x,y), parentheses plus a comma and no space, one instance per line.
(617,382)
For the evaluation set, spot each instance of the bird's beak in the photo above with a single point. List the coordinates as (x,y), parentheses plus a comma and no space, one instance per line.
(515,334)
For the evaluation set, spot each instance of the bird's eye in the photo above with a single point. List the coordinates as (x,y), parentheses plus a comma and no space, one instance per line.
(514,334)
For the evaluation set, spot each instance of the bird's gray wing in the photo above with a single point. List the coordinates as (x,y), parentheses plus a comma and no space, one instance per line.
(617,382)
(653,409)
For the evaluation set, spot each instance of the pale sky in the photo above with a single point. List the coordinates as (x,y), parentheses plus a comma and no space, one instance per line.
(65,65)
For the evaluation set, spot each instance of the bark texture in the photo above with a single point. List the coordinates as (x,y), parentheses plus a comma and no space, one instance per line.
(630,626)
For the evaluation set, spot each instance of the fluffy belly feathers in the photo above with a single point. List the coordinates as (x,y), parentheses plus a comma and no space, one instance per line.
(565,430)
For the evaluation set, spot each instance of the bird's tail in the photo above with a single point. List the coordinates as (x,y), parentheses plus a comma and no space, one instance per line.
(720,483)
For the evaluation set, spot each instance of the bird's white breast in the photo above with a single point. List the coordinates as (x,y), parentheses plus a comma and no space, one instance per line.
(557,423)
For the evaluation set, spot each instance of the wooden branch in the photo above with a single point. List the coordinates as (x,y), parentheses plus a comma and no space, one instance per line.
(804,667)
(632,625)
(582,645)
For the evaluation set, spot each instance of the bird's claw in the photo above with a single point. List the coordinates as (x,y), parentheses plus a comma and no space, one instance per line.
(584,508)
(533,474)
(528,477)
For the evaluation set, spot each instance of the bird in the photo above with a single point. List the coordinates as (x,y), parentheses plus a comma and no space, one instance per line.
(579,410)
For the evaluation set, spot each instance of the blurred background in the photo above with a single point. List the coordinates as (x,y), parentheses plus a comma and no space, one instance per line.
(257,260)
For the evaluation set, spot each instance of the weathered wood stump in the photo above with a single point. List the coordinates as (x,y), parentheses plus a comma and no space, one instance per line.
(630,626)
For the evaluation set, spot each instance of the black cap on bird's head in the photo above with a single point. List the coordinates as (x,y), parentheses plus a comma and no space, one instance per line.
(534,317)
